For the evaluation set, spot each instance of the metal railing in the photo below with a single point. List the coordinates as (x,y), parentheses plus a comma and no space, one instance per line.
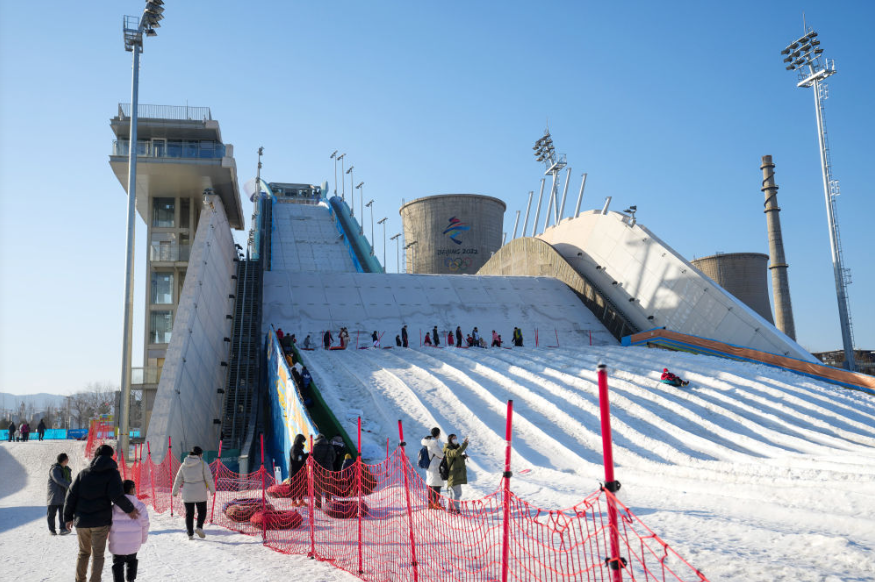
(171,149)
(171,112)
(145,375)
(169,251)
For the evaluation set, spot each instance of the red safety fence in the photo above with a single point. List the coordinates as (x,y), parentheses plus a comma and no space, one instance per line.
(99,432)
(374,521)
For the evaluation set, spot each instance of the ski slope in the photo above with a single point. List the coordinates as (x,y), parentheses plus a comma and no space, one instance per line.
(750,473)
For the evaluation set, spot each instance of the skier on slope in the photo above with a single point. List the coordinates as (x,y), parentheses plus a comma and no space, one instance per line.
(672,380)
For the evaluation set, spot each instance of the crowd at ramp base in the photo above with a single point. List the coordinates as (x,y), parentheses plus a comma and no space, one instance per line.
(373,521)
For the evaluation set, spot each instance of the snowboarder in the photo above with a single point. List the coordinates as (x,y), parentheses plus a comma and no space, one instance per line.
(323,455)
(458,474)
(404,336)
(433,474)
(327,339)
(127,535)
(196,480)
(671,379)
(297,462)
(41,429)
(88,506)
(60,479)
(436,336)
(458,336)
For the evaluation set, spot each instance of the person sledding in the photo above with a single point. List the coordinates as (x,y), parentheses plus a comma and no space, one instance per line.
(672,380)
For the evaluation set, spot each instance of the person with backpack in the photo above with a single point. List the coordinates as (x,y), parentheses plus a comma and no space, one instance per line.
(60,479)
(297,463)
(458,472)
(196,481)
(127,535)
(430,457)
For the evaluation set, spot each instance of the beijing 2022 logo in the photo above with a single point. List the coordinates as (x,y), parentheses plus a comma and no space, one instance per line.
(455,228)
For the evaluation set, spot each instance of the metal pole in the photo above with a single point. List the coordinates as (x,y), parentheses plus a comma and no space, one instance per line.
(516,223)
(837,267)
(342,182)
(358,479)
(615,562)
(550,201)
(127,333)
(580,196)
(371,206)
(351,191)
(505,545)
(528,207)
(538,208)
(404,463)
(362,208)
(564,193)
(383,223)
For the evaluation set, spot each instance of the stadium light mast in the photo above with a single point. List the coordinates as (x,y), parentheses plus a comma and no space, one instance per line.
(334,157)
(803,55)
(545,152)
(133,30)
(397,252)
(360,187)
(371,206)
(351,191)
(342,181)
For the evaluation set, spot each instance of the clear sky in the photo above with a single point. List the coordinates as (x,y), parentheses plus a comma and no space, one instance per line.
(666,105)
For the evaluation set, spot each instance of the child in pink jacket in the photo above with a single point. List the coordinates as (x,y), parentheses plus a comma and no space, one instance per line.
(127,535)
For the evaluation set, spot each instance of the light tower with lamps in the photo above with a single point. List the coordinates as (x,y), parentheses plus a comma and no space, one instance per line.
(371,206)
(397,252)
(334,157)
(804,56)
(545,152)
(342,181)
(351,192)
(383,222)
(133,30)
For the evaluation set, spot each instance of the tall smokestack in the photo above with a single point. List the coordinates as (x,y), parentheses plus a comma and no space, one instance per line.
(778,266)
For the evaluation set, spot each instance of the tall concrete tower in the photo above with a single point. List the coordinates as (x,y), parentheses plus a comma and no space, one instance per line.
(778,266)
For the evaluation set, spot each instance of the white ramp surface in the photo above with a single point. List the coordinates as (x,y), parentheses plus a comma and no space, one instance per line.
(309,303)
(305,238)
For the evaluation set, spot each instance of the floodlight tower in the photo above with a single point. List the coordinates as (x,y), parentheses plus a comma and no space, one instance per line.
(545,152)
(803,55)
(133,30)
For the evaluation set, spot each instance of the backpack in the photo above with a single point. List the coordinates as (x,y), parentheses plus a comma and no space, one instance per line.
(424,460)
(444,469)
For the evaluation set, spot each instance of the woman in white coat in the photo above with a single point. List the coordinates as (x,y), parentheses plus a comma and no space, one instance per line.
(433,474)
(126,535)
(196,481)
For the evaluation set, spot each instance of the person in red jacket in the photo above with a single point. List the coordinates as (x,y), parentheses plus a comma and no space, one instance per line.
(671,379)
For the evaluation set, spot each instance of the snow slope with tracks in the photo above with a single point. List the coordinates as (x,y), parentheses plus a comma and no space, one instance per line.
(751,473)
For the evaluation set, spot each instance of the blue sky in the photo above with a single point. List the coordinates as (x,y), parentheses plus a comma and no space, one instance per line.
(666,105)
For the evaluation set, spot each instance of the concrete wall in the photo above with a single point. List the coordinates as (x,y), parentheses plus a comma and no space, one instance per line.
(364,302)
(744,275)
(187,402)
(655,286)
(474,235)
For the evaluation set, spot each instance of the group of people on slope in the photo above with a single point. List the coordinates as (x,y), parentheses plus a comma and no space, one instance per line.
(287,340)
(24,431)
(454,339)
(329,455)
(444,464)
(105,510)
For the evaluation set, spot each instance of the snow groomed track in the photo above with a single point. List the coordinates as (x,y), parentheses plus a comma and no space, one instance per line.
(747,461)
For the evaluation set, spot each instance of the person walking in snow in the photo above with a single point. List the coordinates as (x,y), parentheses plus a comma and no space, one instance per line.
(375,338)
(458,336)
(404,336)
(127,535)
(344,338)
(433,478)
(324,455)
(456,458)
(60,479)
(517,337)
(450,338)
(196,481)
(297,462)
(88,506)
(672,380)
(41,429)
(436,336)
(11,431)
(475,335)
(327,339)
(307,345)
(24,429)
(496,340)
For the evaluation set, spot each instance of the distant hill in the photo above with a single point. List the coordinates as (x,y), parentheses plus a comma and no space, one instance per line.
(39,401)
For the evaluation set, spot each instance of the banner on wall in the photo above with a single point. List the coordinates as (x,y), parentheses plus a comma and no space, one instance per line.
(288,410)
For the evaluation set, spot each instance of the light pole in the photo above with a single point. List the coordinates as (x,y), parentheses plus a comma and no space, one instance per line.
(803,55)
(362,208)
(133,34)
(371,206)
(342,183)
(397,252)
(545,152)
(351,192)
(411,245)
(383,222)
(334,157)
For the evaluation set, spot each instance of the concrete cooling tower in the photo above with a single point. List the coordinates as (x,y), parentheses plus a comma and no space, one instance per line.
(451,234)
(744,275)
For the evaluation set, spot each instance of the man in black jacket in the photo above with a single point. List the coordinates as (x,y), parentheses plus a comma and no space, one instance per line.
(60,477)
(88,506)
(323,455)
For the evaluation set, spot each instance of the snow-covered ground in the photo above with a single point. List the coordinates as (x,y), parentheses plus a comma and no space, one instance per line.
(29,553)
(750,473)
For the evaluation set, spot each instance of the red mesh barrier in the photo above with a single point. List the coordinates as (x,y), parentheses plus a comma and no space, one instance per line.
(99,432)
(373,521)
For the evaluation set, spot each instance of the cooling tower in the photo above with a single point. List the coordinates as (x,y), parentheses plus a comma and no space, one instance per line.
(780,281)
(451,234)
(743,275)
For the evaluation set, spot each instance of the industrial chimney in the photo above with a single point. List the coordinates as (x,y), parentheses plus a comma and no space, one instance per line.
(778,266)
